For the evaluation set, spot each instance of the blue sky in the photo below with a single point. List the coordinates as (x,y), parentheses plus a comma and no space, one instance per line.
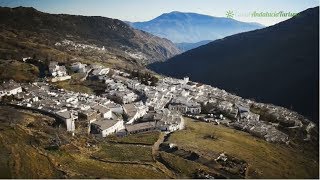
(142,10)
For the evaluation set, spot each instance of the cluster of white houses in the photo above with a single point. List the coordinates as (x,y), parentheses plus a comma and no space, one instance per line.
(98,113)
(128,106)
(70,44)
(58,72)
(9,88)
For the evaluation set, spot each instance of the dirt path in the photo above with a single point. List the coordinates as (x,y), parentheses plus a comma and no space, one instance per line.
(85,77)
(155,156)
(155,147)
(128,143)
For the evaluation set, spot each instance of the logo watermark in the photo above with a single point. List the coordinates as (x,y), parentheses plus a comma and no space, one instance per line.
(254,14)
(230,14)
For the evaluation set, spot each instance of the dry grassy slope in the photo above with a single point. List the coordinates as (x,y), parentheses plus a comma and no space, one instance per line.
(25,136)
(265,160)
(20,72)
(24,28)
(23,154)
(119,152)
(182,167)
(16,45)
(19,159)
(31,134)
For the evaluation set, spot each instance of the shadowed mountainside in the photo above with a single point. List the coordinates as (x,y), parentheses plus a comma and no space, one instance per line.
(277,64)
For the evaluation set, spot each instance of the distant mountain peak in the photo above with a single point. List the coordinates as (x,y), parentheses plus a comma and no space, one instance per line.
(175,12)
(179,14)
(192,27)
(187,13)
(25,8)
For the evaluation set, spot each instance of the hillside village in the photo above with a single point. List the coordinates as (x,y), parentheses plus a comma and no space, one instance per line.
(128,106)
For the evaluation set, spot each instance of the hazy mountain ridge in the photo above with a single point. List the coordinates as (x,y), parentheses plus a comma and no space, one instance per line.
(188,46)
(192,27)
(277,64)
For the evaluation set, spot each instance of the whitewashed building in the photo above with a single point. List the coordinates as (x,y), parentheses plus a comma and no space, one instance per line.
(100,71)
(107,127)
(183,105)
(56,70)
(69,118)
(105,112)
(78,67)
(133,84)
(134,111)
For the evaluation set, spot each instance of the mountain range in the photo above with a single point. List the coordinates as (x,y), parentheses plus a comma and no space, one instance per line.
(26,32)
(188,46)
(278,64)
(182,27)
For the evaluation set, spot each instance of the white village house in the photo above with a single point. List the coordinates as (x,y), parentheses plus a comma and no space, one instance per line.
(59,73)
(78,67)
(107,127)
(69,118)
(134,111)
(184,106)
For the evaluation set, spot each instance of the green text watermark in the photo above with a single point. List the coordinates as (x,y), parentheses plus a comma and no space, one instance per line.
(254,14)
